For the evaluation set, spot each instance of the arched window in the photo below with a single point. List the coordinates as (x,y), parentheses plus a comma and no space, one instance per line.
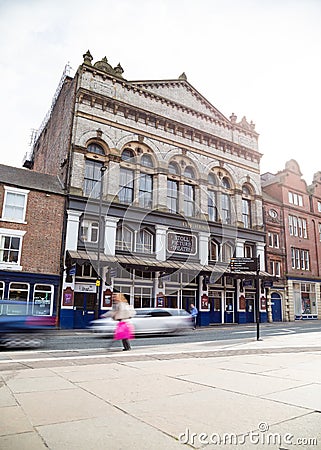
(212,179)
(95,148)
(146,160)
(92,178)
(226,183)
(213,251)
(124,238)
(144,241)
(189,172)
(173,168)
(227,252)
(128,155)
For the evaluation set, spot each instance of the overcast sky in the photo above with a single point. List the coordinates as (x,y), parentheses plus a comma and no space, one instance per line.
(256,58)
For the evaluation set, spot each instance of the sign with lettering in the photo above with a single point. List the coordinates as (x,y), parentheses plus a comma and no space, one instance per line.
(181,243)
(244,264)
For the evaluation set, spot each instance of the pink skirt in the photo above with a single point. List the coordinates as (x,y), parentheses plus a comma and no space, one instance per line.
(124,330)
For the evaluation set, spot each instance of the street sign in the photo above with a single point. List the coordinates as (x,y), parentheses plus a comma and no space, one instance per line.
(244,264)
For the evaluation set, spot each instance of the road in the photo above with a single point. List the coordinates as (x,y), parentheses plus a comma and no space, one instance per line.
(82,339)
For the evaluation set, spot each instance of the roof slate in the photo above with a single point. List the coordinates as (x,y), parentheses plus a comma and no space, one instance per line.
(28,179)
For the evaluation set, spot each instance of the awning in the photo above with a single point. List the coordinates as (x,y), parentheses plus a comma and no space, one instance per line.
(143,264)
(153,265)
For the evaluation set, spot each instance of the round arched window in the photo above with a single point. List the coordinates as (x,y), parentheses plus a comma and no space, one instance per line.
(173,168)
(246,190)
(212,179)
(189,172)
(127,154)
(226,183)
(146,161)
(95,148)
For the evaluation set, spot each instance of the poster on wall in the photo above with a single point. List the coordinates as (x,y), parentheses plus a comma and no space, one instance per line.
(107,301)
(204,302)
(68,297)
(160,300)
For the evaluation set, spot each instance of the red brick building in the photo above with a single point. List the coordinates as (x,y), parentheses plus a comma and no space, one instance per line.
(32,216)
(292,214)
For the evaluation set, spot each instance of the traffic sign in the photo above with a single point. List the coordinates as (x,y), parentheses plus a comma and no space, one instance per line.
(244,264)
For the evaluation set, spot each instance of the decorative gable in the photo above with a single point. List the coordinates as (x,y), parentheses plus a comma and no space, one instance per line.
(182,92)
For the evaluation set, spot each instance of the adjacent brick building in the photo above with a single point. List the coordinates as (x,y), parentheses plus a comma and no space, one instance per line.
(292,215)
(31,232)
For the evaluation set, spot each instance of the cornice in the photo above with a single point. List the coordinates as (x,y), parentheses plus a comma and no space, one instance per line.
(161,139)
(156,121)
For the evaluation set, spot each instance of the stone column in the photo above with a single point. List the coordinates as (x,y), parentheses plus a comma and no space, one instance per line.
(260,246)
(203,238)
(239,248)
(110,235)
(160,248)
(160,201)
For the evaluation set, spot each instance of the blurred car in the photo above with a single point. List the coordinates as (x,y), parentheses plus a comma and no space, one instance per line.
(148,321)
(18,329)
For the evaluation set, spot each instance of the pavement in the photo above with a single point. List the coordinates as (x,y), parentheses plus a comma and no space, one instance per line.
(245,394)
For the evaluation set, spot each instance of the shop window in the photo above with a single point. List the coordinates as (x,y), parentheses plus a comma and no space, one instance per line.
(20,293)
(143,297)
(14,204)
(43,300)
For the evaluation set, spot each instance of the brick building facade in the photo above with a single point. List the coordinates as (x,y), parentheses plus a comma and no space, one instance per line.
(292,214)
(32,214)
(163,190)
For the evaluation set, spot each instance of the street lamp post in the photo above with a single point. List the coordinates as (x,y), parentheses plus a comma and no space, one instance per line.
(100,234)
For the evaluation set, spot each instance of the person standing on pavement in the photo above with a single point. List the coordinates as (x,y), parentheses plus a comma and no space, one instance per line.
(194,314)
(121,312)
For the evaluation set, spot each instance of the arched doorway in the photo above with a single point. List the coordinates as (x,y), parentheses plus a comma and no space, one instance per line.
(276,304)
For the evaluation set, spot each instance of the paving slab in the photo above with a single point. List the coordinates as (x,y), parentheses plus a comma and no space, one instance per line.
(61,406)
(23,441)
(308,396)
(117,431)
(13,421)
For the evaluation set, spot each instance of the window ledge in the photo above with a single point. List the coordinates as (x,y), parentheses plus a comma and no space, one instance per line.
(6,266)
(2,219)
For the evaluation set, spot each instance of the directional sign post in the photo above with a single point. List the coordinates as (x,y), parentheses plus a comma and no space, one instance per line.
(238,265)
(244,264)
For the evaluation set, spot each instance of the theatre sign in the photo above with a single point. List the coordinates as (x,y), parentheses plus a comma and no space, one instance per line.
(181,243)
